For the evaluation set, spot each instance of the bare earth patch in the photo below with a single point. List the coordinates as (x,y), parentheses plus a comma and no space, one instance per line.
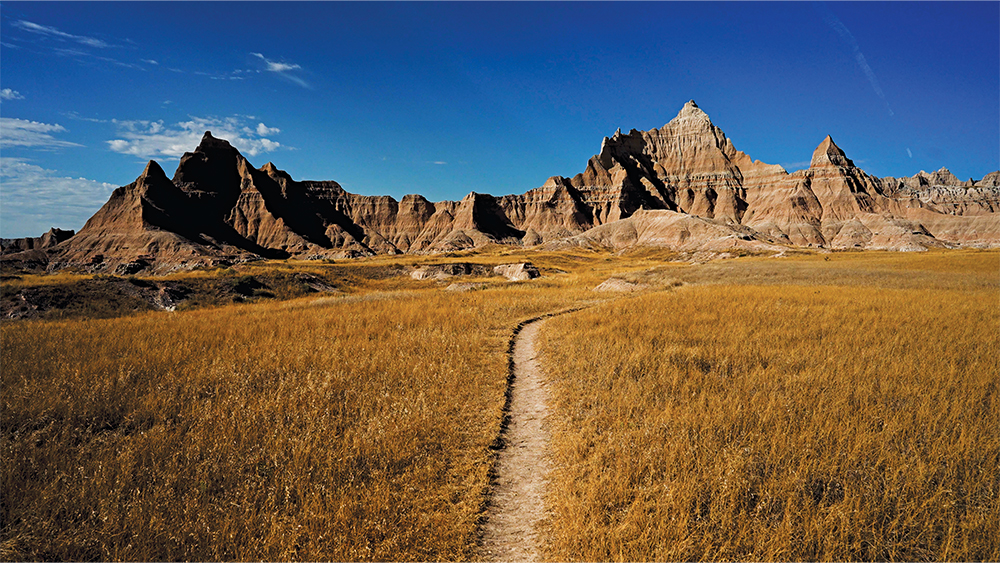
(518,499)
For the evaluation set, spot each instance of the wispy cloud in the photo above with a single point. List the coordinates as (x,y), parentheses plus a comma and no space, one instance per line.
(22,133)
(84,49)
(848,38)
(283,69)
(79,54)
(49,31)
(8,94)
(151,139)
(77,117)
(34,199)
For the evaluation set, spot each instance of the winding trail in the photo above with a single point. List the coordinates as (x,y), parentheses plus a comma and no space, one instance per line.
(517,505)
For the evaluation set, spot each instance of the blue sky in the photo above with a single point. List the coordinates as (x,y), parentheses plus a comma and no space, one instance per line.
(446,98)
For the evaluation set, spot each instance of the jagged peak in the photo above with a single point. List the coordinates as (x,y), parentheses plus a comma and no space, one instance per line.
(276,174)
(828,153)
(209,143)
(153,169)
(553,181)
(829,144)
(691,111)
(410,198)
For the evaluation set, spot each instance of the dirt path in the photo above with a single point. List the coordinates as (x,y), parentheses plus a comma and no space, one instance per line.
(518,498)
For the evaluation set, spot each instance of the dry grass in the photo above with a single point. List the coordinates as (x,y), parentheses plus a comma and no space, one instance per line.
(345,429)
(706,422)
(720,422)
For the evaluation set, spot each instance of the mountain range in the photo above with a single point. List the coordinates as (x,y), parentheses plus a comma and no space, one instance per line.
(683,186)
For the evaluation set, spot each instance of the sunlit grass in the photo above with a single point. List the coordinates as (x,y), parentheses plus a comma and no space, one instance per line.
(344,429)
(778,423)
(837,406)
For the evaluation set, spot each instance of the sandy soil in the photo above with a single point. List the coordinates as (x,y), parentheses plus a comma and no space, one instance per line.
(510,532)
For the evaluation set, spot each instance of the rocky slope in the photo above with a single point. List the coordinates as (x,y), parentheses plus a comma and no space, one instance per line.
(682,186)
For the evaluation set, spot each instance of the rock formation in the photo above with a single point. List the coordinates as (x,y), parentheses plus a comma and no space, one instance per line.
(683,186)
(51,238)
(518,271)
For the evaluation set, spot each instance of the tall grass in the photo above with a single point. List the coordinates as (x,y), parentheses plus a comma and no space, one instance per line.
(778,423)
(345,429)
(815,414)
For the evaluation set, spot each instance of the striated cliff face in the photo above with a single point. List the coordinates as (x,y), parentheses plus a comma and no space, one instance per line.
(682,186)
(51,238)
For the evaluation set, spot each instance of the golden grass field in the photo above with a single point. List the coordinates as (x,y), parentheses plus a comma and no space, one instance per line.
(784,422)
(839,406)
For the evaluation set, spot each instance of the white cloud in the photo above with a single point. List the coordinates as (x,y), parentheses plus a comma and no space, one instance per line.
(53,32)
(276,66)
(151,139)
(34,199)
(22,133)
(8,94)
(150,61)
(283,70)
(264,130)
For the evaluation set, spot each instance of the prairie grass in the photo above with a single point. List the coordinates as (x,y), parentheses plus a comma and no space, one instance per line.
(343,429)
(722,422)
(825,408)
(963,270)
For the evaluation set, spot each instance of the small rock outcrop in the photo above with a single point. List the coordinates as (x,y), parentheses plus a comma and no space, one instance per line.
(521,271)
(618,285)
(445,271)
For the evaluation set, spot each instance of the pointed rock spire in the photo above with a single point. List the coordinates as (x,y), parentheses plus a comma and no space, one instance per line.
(284,179)
(944,177)
(153,170)
(691,111)
(829,154)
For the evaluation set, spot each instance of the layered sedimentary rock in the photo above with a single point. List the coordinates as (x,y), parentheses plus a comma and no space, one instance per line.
(690,167)
(51,238)
(682,186)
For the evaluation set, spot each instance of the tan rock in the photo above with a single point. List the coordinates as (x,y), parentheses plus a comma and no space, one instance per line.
(618,285)
(520,271)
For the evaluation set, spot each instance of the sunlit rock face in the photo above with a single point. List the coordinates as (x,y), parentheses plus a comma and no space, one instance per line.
(693,188)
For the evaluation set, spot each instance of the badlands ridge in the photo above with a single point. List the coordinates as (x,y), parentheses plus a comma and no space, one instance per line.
(684,187)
